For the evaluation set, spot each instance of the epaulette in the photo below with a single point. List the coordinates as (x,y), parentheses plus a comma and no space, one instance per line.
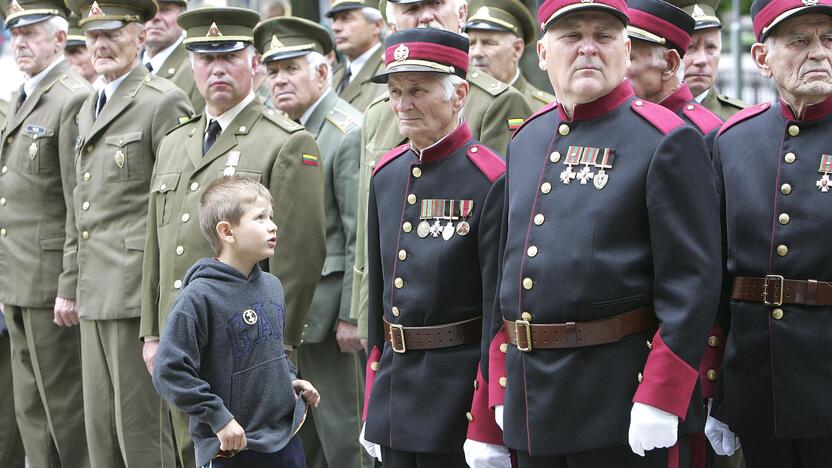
(184,120)
(744,114)
(159,84)
(543,110)
(385,96)
(543,96)
(705,120)
(390,155)
(72,83)
(341,120)
(733,102)
(661,118)
(488,83)
(281,120)
(491,165)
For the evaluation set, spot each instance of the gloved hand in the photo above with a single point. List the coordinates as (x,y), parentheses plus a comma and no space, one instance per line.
(483,455)
(722,439)
(498,415)
(372,448)
(651,428)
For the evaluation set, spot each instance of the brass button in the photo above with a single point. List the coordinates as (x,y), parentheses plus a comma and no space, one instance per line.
(85,235)
(532,251)
(777,314)
(398,283)
(563,129)
(554,157)
(639,103)
(713,341)
(2,201)
(180,250)
(85,206)
(163,187)
(87,176)
(526,316)
(690,107)
(9,140)
(538,219)
(407,227)
(395,311)
(4,169)
(3,232)
(374,366)
(782,250)
(90,148)
(469,416)
(640,377)
(649,344)
(411,199)
(786,189)
(185,217)
(475,74)
(794,130)
(402,255)
(502,382)
(194,186)
(546,187)
(790,158)
(416,172)
(476,385)
(711,375)
(528,283)
(784,218)
(177,284)
(503,347)
(474,149)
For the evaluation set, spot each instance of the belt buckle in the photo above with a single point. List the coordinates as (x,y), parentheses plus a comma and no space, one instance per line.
(571,334)
(528,334)
(393,338)
(779,300)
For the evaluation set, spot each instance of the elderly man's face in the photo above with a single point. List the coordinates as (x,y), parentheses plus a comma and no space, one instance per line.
(223,79)
(439,14)
(295,85)
(702,59)
(115,51)
(585,54)
(354,35)
(419,101)
(495,53)
(647,64)
(79,58)
(162,30)
(34,48)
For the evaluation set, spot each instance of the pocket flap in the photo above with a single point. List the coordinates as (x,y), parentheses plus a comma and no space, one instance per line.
(36,131)
(134,241)
(123,139)
(165,182)
(53,242)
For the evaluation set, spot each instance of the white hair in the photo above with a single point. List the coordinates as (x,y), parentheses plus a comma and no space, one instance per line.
(449,84)
(391,12)
(315,60)
(371,15)
(56,24)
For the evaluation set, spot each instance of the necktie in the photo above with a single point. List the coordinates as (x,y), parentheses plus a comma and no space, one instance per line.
(149,67)
(102,100)
(211,135)
(344,81)
(21,99)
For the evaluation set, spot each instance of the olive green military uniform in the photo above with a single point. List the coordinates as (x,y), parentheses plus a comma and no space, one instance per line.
(177,69)
(360,92)
(36,261)
(535,97)
(722,105)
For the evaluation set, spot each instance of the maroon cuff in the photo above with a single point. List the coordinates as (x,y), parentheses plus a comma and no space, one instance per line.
(481,426)
(497,369)
(712,362)
(372,367)
(668,380)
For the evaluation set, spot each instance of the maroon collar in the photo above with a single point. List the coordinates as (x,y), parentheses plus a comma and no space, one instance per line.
(603,105)
(677,99)
(447,145)
(813,112)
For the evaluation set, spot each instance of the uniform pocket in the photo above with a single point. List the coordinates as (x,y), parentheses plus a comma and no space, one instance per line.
(163,189)
(124,159)
(40,150)
(133,257)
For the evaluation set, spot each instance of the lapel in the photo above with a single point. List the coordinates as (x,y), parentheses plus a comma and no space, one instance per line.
(119,101)
(241,125)
(367,71)
(316,120)
(174,62)
(50,79)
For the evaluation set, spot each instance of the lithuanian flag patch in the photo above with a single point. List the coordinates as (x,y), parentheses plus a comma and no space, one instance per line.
(514,124)
(310,160)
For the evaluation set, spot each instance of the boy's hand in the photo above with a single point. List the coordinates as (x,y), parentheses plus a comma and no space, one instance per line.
(232,437)
(309,393)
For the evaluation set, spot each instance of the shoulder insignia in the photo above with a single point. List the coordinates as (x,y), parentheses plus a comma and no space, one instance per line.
(543,97)
(70,82)
(385,96)
(515,123)
(491,165)
(543,110)
(183,121)
(488,83)
(390,155)
(744,114)
(310,160)
(705,120)
(159,84)
(281,120)
(341,120)
(661,118)
(733,102)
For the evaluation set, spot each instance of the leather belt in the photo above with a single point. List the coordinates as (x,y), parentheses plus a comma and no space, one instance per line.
(403,339)
(774,290)
(527,336)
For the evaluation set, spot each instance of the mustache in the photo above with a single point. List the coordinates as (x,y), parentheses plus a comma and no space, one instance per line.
(20,53)
(479,62)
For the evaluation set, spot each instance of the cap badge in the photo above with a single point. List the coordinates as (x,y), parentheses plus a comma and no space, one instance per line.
(276,44)
(810,2)
(95,10)
(401,53)
(698,12)
(15,8)
(483,13)
(213,31)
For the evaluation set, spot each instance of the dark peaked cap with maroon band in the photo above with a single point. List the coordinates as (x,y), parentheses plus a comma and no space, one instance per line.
(425,50)
(550,10)
(661,23)
(766,14)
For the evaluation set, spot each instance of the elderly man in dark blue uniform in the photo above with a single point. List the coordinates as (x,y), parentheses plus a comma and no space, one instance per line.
(434,221)
(773,164)
(610,262)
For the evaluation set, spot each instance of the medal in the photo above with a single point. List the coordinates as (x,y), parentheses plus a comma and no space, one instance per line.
(465,207)
(250,317)
(436,229)
(463,228)
(423,229)
(231,163)
(601,178)
(119,158)
(448,231)
(573,158)
(33,151)
(824,183)
(588,157)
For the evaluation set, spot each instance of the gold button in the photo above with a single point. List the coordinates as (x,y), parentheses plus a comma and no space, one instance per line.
(563,129)
(4,169)
(194,186)
(395,311)
(782,250)
(416,172)
(9,140)
(411,199)
(777,314)
(374,366)
(690,107)
(185,217)
(546,187)
(469,416)
(398,283)
(503,347)
(177,284)
(639,103)
(407,227)
(163,187)
(711,375)
(786,189)
(90,148)
(476,385)
(180,250)
(87,176)
(474,149)
(538,219)
(3,201)
(402,255)
(85,206)
(3,232)
(713,341)
(554,157)
(790,158)
(502,381)
(794,130)
(640,377)
(475,74)
(784,218)
(526,316)
(532,251)
(85,235)
(528,283)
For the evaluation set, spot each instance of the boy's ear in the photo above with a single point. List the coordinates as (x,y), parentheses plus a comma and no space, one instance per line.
(224,232)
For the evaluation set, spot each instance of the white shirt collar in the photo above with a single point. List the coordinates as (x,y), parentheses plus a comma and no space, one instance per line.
(159,59)
(30,84)
(305,117)
(109,88)
(516,76)
(359,62)
(702,96)
(226,118)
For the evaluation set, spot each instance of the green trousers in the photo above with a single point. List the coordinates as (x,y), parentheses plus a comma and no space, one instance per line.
(185,455)
(11,447)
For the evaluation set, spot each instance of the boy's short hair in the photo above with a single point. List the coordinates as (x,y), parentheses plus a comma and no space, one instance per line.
(224,200)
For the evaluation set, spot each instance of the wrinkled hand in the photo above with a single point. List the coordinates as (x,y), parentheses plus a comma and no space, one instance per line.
(346,334)
(66,313)
(373,449)
(498,415)
(232,437)
(482,455)
(723,441)
(149,353)
(651,428)
(310,394)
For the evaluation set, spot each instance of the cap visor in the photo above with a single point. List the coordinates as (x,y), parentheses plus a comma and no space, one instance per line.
(102,25)
(580,7)
(285,55)
(27,20)
(216,47)
(484,26)
(333,11)
(636,35)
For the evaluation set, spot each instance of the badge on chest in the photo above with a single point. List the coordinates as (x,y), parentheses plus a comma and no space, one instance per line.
(438,211)
(591,164)
(824,183)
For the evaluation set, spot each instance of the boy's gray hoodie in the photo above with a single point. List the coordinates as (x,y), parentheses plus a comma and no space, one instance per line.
(221,357)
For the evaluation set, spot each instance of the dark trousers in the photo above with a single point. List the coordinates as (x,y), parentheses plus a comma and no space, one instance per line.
(787,453)
(678,456)
(291,456)
(392,458)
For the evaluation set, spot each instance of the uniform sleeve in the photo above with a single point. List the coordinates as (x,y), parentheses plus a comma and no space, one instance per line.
(495,132)
(149,324)
(684,228)
(346,197)
(375,286)
(297,190)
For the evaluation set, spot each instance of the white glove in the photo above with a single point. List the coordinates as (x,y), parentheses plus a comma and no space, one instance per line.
(722,439)
(651,428)
(483,455)
(498,415)
(373,449)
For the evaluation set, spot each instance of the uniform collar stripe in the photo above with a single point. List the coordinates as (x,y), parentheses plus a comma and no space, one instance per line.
(436,53)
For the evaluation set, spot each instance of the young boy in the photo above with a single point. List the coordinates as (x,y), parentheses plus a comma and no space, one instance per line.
(221,357)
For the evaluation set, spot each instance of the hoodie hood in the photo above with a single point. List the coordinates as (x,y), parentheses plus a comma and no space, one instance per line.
(215,270)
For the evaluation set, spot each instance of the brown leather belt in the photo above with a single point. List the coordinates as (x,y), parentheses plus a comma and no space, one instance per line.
(774,290)
(527,336)
(403,339)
